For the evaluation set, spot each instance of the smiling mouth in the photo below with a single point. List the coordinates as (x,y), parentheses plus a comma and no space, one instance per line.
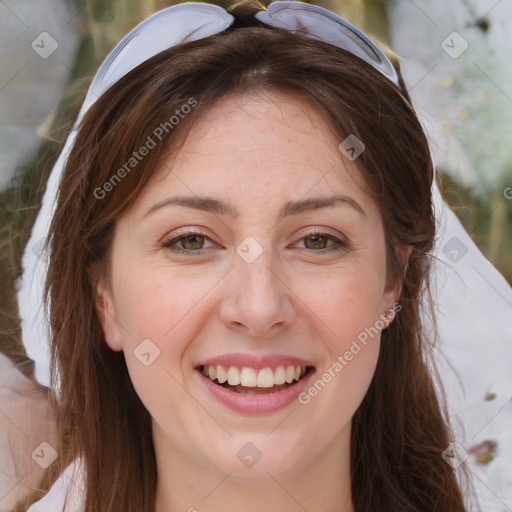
(250,381)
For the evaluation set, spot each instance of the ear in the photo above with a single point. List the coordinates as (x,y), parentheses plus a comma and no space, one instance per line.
(390,304)
(107,316)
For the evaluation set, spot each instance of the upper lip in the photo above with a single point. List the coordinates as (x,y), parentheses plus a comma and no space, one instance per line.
(256,362)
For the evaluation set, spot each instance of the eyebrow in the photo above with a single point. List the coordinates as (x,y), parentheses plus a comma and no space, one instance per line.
(215,206)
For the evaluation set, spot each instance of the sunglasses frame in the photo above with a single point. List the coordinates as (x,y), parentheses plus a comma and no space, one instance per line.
(190,21)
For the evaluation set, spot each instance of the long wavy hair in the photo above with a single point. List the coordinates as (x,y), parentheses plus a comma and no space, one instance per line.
(401,427)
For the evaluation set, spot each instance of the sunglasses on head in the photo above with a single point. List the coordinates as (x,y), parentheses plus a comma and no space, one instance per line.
(191,21)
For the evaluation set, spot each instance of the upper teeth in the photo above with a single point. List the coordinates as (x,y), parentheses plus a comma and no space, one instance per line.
(250,377)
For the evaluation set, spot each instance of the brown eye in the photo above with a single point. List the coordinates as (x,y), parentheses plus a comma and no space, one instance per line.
(192,242)
(187,243)
(317,241)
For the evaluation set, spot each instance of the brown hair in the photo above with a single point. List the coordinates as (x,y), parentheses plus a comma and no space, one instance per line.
(399,430)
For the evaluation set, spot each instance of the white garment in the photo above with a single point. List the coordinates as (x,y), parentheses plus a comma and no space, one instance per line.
(70,483)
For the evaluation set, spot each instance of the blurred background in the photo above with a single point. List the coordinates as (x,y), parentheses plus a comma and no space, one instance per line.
(456,61)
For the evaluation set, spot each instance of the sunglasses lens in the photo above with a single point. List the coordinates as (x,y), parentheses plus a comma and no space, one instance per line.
(157,33)
(321,24)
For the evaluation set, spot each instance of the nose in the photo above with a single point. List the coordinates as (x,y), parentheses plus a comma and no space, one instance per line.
(258,301)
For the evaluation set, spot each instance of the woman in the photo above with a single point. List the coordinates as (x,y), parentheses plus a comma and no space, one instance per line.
(238,254)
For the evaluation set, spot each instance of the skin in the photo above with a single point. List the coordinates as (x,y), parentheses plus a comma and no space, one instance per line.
(26,421)
(296,298)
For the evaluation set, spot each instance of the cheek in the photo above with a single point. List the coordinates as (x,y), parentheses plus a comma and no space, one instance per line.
(346,301)
(347,304)
(350,334)
(161,312)
(156,302)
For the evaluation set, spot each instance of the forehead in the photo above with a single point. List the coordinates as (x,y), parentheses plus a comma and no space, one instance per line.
(258,149)
(269,125)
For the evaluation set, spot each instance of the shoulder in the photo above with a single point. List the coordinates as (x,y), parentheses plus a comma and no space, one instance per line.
(70,485)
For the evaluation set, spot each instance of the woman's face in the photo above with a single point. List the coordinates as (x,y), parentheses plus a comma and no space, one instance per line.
(254,250)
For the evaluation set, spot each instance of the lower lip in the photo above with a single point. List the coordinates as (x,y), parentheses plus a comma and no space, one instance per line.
(256,404)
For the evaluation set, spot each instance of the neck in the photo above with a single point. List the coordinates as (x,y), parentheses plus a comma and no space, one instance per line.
(321,485)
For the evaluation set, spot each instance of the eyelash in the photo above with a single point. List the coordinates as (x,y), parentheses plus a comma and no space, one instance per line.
(339,245)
